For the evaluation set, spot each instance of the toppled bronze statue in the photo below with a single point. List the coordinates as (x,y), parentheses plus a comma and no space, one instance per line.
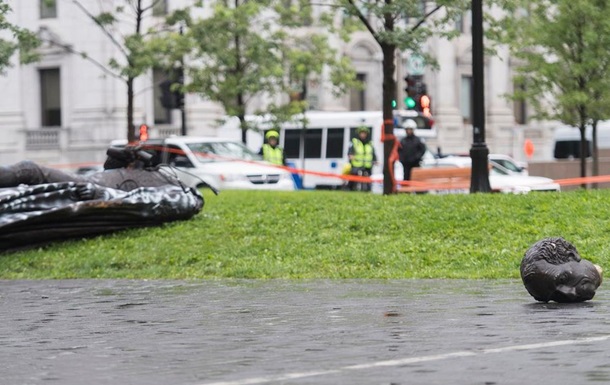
(39,204)
(552,270)
(125,169)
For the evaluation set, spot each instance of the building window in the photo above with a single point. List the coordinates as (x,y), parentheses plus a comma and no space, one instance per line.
(159,8)
(466,105)
(162,115)
(463,23)
(50,97)
(358,96)
(459,23)
(520,106)
(48,9)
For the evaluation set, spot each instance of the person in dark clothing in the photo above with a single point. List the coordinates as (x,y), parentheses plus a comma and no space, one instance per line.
(412,149)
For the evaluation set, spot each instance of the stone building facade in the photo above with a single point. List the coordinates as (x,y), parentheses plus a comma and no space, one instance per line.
(66,109)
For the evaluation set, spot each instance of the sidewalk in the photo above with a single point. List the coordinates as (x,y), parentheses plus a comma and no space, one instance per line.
(297,332)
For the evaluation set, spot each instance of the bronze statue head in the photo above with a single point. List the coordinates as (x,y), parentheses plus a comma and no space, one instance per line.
(552,270)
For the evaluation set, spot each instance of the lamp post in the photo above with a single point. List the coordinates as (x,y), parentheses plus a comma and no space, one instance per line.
(183,97)
(479,180)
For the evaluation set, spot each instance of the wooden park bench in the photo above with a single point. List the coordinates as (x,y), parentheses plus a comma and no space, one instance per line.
(438,179)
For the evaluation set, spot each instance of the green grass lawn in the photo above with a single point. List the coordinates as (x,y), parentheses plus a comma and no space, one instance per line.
(334,234)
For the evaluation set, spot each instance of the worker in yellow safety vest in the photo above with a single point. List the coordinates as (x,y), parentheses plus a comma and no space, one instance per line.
(271,150)
(361,153)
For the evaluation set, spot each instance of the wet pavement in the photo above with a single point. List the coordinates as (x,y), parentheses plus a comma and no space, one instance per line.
(297,332)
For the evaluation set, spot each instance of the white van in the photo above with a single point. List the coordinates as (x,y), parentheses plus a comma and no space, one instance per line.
(566,142)
(321,144)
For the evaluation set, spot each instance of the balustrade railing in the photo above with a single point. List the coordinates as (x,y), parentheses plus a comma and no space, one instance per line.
(46,138)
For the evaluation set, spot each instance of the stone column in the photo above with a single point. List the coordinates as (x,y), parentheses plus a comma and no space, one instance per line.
(500,124)
(444,92)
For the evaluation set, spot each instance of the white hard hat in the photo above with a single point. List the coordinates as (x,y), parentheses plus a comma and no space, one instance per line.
(410,123)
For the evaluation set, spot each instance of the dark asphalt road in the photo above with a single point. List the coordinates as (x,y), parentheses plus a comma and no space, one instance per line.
(100,332)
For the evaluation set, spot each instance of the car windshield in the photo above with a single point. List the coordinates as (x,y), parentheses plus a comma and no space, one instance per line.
(222,151)
(506,164)
(496,169)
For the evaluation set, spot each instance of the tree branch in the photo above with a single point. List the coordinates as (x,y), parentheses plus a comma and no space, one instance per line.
(364,21)
(106,32)
(425,17)
(84,55)
(152,5)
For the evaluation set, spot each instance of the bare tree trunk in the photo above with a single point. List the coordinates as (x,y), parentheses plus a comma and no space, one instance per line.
(240,97)
(131,131)
(243,126)
(595,153)
(583,154)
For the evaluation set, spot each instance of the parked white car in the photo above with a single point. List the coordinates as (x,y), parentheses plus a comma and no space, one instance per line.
(216,162)
(509,164)
(500,178)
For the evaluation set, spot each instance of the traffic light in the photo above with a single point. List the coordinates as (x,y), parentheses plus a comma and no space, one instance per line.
(409,85)
(424,105)
(410,103)
(143,132)
(416,94)
(411,91)
(421,88)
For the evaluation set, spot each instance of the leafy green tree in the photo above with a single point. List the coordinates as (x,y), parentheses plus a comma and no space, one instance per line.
(305,55)
(564,71)
(18,39)
(404,25)
(247,49)
(136,55)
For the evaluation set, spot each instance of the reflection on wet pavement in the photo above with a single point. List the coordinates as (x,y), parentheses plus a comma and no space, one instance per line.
(297,332)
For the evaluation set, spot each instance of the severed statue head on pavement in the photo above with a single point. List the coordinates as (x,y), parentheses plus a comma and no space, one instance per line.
(553,270)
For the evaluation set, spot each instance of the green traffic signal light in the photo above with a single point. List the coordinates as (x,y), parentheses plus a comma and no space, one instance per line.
(409,102)
(393,103)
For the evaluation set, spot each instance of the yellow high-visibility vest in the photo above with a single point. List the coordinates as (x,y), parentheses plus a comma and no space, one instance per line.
(363,154)
(273,155)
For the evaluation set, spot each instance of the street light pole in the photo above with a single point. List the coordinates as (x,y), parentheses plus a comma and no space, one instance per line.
(479,180)
(183,98)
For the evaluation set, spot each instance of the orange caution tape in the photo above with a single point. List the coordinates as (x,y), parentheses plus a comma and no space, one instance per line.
(585,180)
(355,178)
